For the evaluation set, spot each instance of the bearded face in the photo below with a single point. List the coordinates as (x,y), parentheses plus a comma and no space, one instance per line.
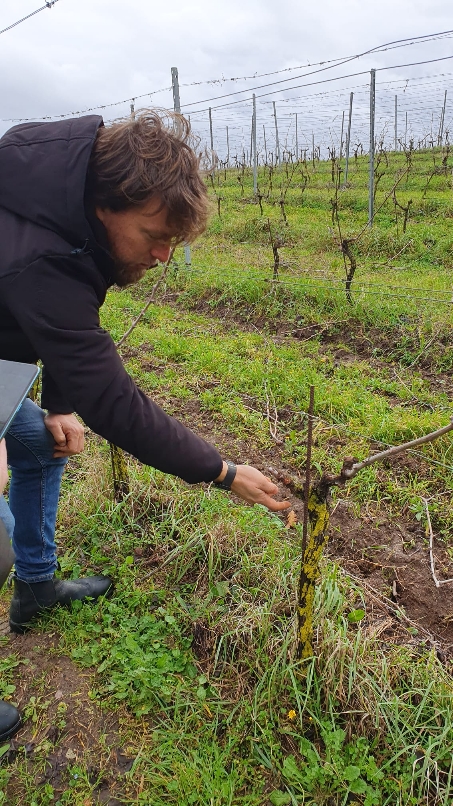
(139,238)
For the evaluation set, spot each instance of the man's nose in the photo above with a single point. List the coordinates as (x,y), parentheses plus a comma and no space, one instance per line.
(161,252)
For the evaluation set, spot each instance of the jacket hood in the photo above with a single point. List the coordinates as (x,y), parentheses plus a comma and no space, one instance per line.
(43,168)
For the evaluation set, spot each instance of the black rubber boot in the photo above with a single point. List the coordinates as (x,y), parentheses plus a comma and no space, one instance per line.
(10,721)
(32,598)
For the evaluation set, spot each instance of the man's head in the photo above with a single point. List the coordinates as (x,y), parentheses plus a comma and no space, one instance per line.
(146,187)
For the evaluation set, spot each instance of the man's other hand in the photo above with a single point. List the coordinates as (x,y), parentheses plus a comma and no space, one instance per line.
(67,432)
(250,484)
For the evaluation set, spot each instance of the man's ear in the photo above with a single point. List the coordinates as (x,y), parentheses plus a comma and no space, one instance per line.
(101,213)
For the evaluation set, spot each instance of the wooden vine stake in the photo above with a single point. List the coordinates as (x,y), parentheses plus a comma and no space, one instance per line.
(314,538)
(120,472)
(35,389)
(316,521)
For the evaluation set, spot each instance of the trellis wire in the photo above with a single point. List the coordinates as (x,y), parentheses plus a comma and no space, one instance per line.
(331,279)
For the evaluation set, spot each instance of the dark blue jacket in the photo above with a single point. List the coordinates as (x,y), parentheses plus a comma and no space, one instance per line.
(54,275)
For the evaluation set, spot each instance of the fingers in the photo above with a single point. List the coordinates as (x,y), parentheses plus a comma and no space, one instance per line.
(73,443)
(67,432)
(74,440)
(255,488)
(60,453)
(264,497)
(275,506)
(59,438)
(58,434)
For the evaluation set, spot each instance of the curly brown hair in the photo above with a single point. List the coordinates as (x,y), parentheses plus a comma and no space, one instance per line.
(134,159)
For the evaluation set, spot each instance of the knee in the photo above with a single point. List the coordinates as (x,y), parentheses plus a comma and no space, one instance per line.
(29,442)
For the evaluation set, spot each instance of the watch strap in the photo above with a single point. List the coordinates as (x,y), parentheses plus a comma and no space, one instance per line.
(226,483)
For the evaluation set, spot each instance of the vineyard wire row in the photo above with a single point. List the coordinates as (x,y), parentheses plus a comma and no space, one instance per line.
(316,284)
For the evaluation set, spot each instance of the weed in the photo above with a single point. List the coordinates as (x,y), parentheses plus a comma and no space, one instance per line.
(7,666)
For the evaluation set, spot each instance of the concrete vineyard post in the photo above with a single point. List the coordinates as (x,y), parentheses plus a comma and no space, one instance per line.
(396,123)
(175,88)
(371,174)
(211,137)
(348,138)
(277,142)
(341,137)
(255,159)
(177,108)
(442,119)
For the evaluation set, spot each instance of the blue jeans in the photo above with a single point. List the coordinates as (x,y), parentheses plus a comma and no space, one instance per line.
(33,494)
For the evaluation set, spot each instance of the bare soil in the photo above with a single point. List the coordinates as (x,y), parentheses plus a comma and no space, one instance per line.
(51,688)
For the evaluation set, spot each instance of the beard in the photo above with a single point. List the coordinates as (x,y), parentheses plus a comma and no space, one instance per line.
(128,273)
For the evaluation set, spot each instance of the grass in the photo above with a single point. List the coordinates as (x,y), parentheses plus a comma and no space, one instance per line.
(194,654)
(236,722)
(233,374)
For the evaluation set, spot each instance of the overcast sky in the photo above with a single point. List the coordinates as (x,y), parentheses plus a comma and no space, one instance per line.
(85,53)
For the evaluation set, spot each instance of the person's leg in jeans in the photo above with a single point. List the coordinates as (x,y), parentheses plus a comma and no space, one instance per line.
(33,493)
(33,500)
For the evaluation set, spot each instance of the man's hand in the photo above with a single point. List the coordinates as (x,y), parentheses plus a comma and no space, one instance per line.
(250,484)
(67,432)
(3,466)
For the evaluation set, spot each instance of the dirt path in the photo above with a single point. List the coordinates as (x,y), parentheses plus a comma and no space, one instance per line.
(63,727)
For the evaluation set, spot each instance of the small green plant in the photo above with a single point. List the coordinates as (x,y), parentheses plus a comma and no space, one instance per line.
(141,657)
(7,667)
(344,768)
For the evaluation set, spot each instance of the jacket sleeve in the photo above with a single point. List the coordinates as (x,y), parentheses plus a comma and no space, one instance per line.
(51,397)
(56,302)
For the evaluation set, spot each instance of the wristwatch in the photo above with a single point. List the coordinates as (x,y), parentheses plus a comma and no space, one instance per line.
(226,483)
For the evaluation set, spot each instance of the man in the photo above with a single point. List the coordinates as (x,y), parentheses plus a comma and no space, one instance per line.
(84,206)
